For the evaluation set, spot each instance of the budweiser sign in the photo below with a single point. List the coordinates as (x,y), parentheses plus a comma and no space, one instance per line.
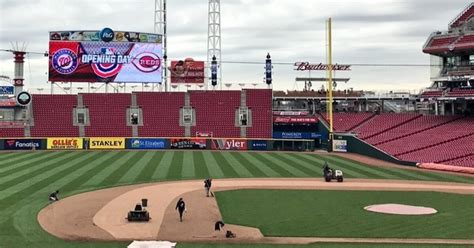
(306,66)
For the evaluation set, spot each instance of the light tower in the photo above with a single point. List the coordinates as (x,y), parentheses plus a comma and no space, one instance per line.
(214,36)
(160,28)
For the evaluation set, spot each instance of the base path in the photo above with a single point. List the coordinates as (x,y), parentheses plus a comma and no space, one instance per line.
(107,215)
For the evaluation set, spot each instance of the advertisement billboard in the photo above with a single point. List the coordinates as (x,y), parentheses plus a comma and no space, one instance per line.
(187,72)
(22,144)
(7,90)
(296,135)
(107,143)
(229,144)
(65,143)
(194,143)
(107,34)
(339,145)
(99,61)
(146,143)
(277,119)
(260,145)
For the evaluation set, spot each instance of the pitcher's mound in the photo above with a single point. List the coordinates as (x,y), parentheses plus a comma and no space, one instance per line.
(400,209)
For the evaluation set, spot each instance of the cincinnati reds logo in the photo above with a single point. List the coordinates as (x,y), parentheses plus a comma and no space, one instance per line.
(64,61)
(147,62)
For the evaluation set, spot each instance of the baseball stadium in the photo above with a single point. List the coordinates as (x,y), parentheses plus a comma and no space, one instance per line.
(189,161)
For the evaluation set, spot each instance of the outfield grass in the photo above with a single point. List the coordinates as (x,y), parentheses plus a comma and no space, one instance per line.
(26,178)
(325,213)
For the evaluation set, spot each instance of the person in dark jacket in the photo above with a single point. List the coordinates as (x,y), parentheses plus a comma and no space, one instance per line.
(207,185)
(218,225)
(326,169)
(181,207)
(54,196)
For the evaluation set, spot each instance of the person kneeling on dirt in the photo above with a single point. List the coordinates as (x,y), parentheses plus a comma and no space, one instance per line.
(218,225)
(230,234)
(54,196)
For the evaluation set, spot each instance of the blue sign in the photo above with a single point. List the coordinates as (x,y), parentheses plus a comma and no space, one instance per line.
(106,35)
(22,144)
(296,135)
(146,143)
(259,145)
(7,90)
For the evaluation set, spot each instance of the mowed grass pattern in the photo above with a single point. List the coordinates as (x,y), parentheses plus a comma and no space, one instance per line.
(26,179)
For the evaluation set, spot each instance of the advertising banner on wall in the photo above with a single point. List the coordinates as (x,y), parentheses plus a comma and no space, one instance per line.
(99,61)
(107,143)
(194,143)
(339,145)
(260,145)
(229,144)
(7,90)
(291,113)
(146,144)
(22,144)
(278,119)
(187,72)
(65,143)
(296,135)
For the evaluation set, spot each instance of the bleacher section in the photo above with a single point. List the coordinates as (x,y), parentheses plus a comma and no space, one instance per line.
(107,115)
(466,161)
(463,17)
(431,94)
(343,122)
(215,112)
(442,134)
(382,123)
(12,132)
(160,114)
(53,116)
(460,92)
(415,126)
(259,101)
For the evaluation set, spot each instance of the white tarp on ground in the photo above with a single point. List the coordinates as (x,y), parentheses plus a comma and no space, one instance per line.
(151,244)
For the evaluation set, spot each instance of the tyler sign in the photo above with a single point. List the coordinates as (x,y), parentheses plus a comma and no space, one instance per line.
(306,66)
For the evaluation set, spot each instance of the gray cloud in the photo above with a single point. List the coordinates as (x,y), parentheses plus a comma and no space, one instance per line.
(365,31)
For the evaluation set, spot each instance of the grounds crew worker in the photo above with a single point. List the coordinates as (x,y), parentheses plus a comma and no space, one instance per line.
(207,185)
(181,207)
(54,196)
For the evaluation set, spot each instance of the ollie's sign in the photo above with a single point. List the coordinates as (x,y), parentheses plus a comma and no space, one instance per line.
(306,66)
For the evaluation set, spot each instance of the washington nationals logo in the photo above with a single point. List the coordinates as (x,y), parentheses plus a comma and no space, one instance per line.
(64,61)
(147,62)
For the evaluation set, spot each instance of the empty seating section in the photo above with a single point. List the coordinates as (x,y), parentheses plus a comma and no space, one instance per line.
(343,122)
(466,39)
(443,152)
(160,112)
(53,116)
(215,112)
(432,93)
(442,42)
(381,123)
(464,17)
(467,161)
(441,134)
(461,92)
(260,102)
(412,127)
(12,132)
(107,115)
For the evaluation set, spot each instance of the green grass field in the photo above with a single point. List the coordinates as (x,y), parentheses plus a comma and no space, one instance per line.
(26,178)
(309,213)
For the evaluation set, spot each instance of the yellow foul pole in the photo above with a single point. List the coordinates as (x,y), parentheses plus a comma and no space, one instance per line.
(329,72)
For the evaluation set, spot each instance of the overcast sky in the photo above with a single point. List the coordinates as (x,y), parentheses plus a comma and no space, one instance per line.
(364,31)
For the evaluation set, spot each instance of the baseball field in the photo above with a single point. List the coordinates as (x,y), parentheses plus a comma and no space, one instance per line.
(26,179)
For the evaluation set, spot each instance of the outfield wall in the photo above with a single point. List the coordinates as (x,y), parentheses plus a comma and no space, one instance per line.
(119,143)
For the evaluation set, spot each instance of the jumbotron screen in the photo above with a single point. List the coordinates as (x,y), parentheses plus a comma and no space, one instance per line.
(105,56)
